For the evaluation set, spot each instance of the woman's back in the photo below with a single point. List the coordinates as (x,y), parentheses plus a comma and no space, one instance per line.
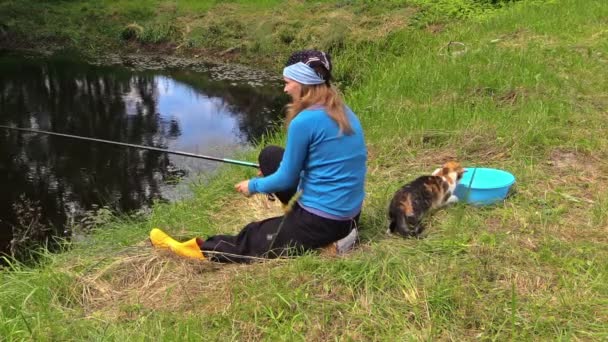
(334,168)
(326,165)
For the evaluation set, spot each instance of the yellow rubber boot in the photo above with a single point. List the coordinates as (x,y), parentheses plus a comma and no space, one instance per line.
(189,249)
(160,239)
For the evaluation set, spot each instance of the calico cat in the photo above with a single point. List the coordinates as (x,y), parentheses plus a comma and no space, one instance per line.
(413,200)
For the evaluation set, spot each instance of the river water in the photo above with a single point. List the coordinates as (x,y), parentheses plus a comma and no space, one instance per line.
(47,181)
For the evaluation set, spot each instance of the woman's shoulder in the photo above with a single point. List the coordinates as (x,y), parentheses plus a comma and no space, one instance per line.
(319,114)
(318,110)
(306,118)
(311,114)
(315,109)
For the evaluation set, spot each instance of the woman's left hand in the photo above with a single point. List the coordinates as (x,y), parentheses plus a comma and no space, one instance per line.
(243,187)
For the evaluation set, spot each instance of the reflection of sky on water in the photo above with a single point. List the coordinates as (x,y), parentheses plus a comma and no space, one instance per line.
(205,122)
(207,126)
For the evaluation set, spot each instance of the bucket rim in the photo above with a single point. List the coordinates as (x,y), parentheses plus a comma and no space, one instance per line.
(473,187)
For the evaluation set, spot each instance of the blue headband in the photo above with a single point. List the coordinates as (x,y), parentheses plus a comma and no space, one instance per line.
(303,74)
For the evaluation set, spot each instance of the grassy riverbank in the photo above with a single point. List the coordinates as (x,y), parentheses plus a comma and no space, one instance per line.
(259,33)
(526,91)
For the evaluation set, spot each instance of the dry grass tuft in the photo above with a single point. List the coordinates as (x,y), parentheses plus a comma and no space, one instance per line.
(394,157)
(142,277)
(566,161)
(529,283)
(522,38)
(146,278)
(152,279)
(579,175)
(239,211)
(575,230)
(435,28)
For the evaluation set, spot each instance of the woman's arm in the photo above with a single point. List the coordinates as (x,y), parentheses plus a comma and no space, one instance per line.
(296,151)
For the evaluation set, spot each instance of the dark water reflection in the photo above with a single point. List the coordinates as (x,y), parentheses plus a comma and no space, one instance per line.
(176,109)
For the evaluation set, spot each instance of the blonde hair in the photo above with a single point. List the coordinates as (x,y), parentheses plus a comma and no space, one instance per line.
(325,95)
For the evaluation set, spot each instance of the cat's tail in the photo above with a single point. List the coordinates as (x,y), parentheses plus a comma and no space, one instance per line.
(406,226)
(401,226)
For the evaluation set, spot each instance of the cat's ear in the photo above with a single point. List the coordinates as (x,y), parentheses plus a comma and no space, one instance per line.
(436,172)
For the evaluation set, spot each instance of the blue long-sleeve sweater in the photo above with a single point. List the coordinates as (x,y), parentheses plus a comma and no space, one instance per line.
(326,165)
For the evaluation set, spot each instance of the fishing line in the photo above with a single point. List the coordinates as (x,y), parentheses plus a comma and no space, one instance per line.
(150,148)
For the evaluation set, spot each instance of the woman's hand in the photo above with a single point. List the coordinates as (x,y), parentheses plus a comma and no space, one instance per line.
(243,187)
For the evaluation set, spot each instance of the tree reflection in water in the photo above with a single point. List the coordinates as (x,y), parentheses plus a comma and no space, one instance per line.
(177,109)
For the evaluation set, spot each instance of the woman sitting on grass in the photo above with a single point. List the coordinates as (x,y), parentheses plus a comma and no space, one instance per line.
(323,161)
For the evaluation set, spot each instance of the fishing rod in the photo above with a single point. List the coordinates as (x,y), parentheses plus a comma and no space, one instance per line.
(150,148)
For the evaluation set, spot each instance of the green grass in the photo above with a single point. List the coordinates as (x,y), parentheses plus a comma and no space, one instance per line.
(529,96)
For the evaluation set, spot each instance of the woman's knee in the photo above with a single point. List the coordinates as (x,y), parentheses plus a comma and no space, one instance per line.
(270,158)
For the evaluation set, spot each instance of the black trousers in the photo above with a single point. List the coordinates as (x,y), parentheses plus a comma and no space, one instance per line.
(287,235)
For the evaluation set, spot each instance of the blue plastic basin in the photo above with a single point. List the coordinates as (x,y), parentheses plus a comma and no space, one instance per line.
(484,186)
